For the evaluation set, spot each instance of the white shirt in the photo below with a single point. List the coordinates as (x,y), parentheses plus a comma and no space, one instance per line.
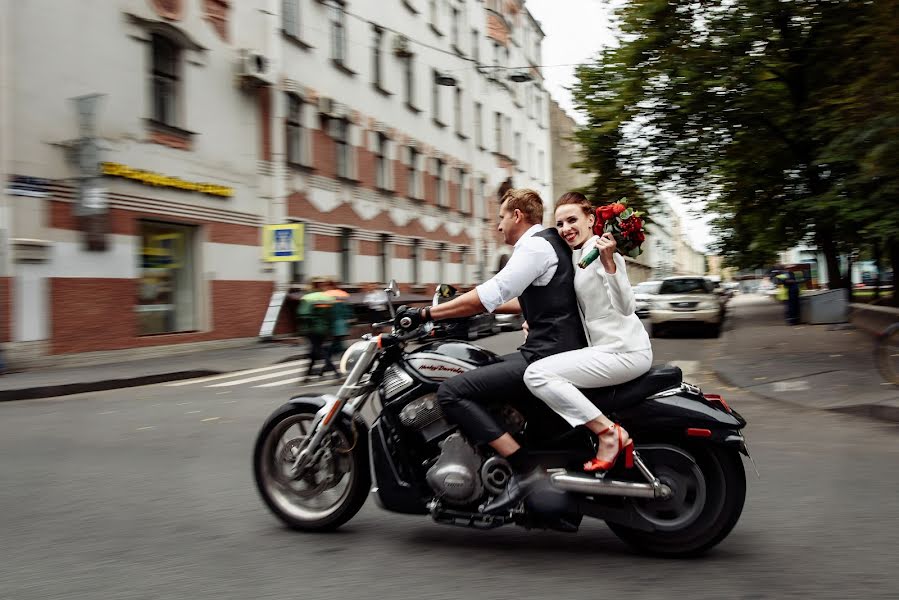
(533,262)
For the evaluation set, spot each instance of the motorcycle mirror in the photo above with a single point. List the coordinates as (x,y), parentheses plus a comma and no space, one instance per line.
(446,291)
(392,289)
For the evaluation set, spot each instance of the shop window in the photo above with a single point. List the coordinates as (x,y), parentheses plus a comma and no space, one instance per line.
(166,301)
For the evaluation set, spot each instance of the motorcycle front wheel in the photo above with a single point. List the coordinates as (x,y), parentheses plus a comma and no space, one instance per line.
(709,489)
(330,492)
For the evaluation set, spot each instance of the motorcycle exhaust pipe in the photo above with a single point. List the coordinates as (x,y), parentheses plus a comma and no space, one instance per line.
(607,487)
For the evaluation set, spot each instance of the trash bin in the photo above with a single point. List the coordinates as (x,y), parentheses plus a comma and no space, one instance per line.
(824,306)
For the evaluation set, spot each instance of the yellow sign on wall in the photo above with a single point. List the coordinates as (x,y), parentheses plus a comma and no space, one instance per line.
(282,243)
(150,178)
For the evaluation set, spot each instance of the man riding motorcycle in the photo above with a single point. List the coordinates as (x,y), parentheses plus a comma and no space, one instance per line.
(538,280)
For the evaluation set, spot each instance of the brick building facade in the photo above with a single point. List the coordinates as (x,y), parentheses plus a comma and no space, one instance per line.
(385,128)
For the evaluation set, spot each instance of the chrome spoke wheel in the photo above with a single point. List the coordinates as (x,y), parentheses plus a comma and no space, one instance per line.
(323,487)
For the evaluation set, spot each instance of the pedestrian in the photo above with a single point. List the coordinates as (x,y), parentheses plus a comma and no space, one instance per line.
(341,313)
(790,295)
(315,314)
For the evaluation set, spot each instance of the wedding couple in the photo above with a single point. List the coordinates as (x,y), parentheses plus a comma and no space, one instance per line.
(582,333)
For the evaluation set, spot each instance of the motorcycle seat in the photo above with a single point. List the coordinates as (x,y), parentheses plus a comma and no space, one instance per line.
(617,397)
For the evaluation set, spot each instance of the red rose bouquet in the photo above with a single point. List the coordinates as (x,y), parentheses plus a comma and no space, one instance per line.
(626,226)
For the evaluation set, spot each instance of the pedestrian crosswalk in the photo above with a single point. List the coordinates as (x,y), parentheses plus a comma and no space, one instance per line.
(274,376)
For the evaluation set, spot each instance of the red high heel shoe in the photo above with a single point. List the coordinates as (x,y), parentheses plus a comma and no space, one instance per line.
(624,443)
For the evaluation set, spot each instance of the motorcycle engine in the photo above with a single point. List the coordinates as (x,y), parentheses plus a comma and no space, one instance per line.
(454,477)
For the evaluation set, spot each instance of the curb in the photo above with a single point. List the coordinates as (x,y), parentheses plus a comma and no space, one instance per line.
(879,412)
(67,389)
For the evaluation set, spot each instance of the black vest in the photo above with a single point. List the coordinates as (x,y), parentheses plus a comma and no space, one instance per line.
(554,323)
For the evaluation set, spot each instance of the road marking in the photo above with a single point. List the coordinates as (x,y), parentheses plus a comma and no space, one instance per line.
(235,374)
(211,419)
(193,412)
(277,383)
(835,355)
(183,403)
(146,428)
(791,386)
(257,378)
(108,412)
(225,392)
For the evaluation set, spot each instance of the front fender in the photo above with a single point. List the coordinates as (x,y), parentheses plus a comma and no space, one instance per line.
(315,403)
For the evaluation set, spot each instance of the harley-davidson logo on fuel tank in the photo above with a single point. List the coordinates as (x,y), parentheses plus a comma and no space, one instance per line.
(438,367)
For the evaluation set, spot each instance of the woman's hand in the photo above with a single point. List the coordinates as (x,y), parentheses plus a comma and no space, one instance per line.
(606,245)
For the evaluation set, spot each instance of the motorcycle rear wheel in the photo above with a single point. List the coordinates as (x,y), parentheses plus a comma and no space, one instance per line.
(723,492)
(332,491)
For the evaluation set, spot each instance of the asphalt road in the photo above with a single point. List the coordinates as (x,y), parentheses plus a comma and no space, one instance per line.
(147,493)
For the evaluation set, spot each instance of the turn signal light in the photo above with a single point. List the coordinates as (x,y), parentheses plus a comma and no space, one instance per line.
(695,432)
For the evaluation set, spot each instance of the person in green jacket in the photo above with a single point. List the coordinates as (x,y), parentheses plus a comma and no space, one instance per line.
(316,313)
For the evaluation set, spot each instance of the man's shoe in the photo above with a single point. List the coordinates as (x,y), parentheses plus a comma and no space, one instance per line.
(516,490)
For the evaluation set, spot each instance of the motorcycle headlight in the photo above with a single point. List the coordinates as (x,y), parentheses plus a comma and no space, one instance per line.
(351,356)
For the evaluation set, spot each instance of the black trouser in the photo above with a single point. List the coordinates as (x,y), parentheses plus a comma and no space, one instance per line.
(318,351)
(463,396)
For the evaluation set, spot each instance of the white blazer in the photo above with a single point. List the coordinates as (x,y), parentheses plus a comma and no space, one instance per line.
(606,303)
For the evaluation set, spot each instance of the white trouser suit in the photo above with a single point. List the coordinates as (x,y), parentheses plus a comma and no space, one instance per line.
(618,347)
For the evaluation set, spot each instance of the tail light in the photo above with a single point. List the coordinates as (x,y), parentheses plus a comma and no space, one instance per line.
(716,399)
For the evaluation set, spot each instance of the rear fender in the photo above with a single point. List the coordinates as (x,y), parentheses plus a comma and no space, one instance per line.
(683,416)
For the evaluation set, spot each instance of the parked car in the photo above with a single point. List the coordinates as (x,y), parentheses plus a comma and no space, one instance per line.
(643,293)
(686,302)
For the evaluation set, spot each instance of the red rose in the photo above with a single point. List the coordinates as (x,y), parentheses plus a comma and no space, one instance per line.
(598,226)
(618,208)
(605,212)
(640,237)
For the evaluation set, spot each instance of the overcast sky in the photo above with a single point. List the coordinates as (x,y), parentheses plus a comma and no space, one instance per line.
(575,31)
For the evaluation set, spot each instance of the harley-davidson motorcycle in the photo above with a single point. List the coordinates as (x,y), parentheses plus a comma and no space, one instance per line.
(316,458)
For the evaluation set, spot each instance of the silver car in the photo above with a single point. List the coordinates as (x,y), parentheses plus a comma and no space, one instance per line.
(686,301)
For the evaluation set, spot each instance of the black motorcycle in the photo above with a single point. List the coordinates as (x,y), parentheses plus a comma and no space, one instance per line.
(316,458)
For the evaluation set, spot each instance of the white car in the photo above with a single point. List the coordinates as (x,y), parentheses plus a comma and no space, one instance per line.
(643,294)
(686,301)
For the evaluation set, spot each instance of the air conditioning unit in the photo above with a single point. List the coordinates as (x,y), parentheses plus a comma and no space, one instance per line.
(254,69)
(402,46)
(326,106)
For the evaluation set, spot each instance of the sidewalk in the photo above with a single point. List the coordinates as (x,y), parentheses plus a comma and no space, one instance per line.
(61,381)
(825,367)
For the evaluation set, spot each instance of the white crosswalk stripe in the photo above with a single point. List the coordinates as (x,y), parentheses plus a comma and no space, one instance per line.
(292,363)
(284,374)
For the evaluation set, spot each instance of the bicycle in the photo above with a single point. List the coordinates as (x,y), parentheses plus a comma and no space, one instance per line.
(886,353)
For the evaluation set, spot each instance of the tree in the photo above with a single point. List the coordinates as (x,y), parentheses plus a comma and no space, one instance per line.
(744,106)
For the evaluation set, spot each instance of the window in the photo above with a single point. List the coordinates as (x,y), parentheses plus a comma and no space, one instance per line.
(339,131)
(416,255)
(295,136)
(475,46)
(377,58)
(516,148)
(454,33)
(495,55)
(478,124)
(459,200)
(166,62)
(412,174)
(382,164)
(346,254)
(166,300)
(435,98)
(384,256)
(507,133)
(338,32)
(457,110)
(290,17)
(409,80)
(441,263)
(538,108)
(540,160)
(439,179)
(498,133)
(480,199)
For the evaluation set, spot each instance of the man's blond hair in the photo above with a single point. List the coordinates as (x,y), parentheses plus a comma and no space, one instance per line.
(527,201)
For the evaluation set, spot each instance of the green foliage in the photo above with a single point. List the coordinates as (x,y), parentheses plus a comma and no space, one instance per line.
(780,117)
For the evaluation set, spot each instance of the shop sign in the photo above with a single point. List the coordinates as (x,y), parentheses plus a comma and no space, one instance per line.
(282,243)
(158,180)
(22,185)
